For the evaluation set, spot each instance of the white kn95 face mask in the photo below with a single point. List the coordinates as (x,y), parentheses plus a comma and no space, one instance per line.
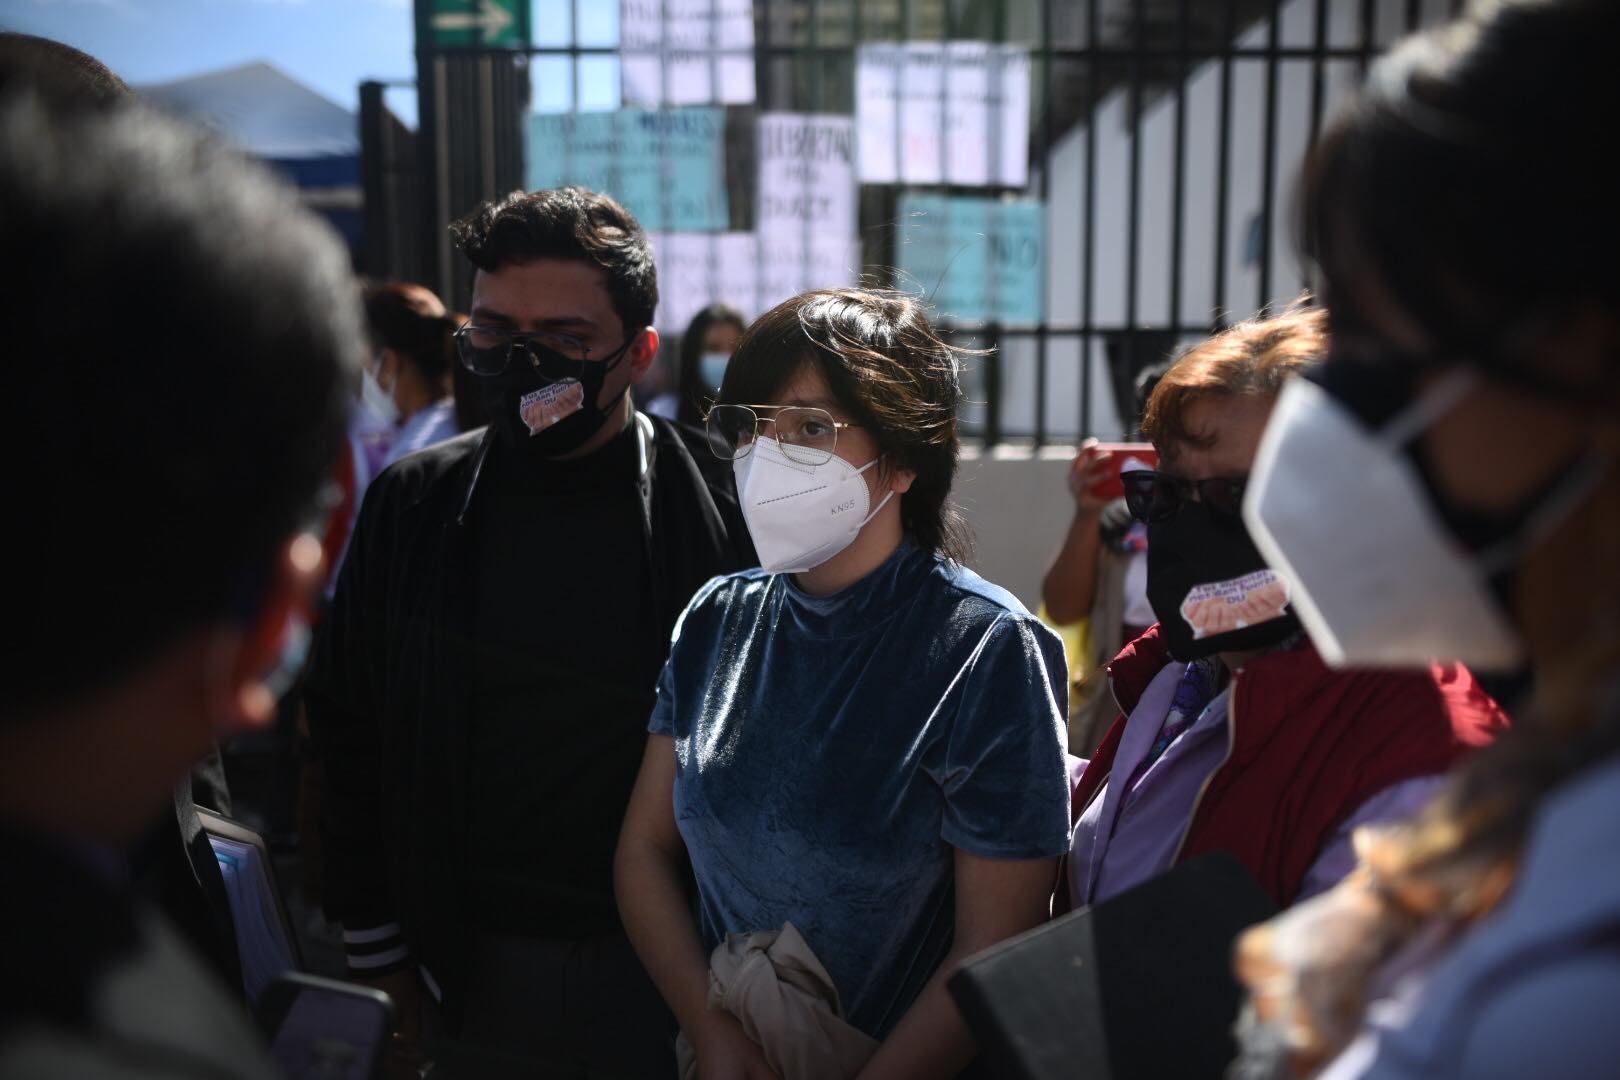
(799,515)
(1341,512)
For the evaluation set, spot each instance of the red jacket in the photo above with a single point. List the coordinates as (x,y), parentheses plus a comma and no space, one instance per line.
(1308,745)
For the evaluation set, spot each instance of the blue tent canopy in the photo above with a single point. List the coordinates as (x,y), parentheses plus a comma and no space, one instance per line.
(313,141)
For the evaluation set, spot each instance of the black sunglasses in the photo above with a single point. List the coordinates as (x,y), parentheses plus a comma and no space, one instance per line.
(1154,496)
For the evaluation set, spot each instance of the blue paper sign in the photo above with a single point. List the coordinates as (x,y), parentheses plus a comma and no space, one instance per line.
(667,166)
(980,259)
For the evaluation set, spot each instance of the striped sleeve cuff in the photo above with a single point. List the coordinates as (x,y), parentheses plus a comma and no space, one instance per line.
(375,950)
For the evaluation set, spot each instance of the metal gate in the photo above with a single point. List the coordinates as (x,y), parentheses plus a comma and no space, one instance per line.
(1163,139)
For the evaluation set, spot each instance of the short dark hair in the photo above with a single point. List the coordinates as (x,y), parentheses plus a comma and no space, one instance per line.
(56,69)
(412,321)
(184,339)
(885,365)
(567,223)
(1466,175)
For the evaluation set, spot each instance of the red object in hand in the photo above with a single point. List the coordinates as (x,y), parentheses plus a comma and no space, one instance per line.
(1125,456)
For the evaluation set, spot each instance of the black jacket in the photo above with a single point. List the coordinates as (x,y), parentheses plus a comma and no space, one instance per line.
(388,686)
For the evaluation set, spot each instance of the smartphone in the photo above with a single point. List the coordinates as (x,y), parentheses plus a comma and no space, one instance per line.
(322,1028)
(1127,457)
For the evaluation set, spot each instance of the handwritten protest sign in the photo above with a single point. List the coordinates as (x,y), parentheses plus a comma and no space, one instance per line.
(979,259)
(806,171)
(751,272)
(805,207)
(687,52)
(943,112)
(806,226)
(791,262)
(666,165)
(698,269)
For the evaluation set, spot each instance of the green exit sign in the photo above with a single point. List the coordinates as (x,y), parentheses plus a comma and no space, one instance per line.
(478,24)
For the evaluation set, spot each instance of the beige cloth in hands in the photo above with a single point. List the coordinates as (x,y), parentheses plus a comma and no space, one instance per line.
(774,985)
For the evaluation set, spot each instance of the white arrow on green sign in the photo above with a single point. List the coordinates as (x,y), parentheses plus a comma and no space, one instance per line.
(490,24)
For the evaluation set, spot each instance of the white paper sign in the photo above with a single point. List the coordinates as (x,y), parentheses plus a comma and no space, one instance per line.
(954,112)
(699,269)
(687,52)
(805,207)
(806,172)
(978,259)
(686,24)
(792,262)
(806,227)
(751,272)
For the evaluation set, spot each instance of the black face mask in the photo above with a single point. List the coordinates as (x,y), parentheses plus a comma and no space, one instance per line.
(522,399)
(1210,588)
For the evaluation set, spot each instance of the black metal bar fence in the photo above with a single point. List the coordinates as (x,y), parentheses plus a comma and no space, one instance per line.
(1162,141)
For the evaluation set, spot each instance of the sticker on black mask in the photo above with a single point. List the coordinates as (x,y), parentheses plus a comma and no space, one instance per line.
(542,408)
(1219,607)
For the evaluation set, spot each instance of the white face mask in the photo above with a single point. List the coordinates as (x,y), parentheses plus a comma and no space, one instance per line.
(378,400)
(798,515)
(1377,577)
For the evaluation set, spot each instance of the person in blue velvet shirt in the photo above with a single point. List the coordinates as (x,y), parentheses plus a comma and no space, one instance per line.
(862,737)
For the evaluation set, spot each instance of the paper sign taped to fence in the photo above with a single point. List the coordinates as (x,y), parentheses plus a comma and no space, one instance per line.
(978,259)
(806,172)
(750,271)
(687,52)
(806,213)
(666,165)
(805,226)
(686,24)
(943,112)
(682,77)
(699,269)
(793,259)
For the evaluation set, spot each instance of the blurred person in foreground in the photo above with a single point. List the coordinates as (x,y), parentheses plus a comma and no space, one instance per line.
(172,866)
(57,70)
(479,688)
(408,376)
(1235,736)
(183,335)
(705,350)
(1447,485)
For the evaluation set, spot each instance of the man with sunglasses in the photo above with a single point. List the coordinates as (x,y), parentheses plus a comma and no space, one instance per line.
(1235,736)
(481,687)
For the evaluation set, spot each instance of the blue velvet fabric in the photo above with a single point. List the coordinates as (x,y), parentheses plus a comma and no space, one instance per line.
(832,752)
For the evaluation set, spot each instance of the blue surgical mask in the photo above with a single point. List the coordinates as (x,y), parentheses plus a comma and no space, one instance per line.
(712,369)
